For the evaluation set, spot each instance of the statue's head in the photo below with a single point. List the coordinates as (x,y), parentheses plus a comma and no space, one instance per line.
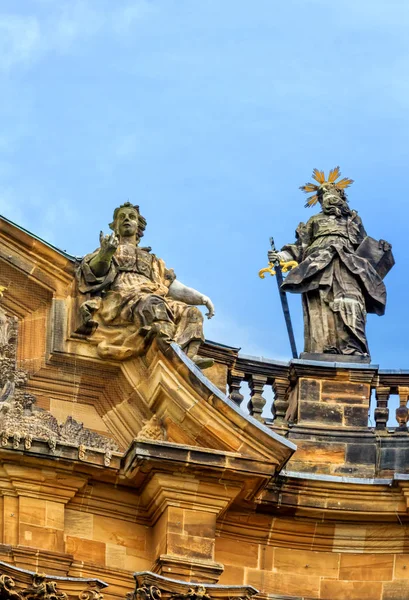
(333,200)
(330,193)
(128,221)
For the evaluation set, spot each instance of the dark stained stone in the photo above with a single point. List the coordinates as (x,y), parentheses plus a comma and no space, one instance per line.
(309,390)
(361,453)
(319,412)
(356,416)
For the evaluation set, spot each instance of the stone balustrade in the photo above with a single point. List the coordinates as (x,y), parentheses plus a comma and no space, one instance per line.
(260,374)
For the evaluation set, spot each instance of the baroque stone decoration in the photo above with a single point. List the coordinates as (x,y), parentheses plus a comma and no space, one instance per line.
(41,589)
(91,593)
(132,297)
(198,593)
(21,420)
(340,272)
(311,504)
(152,430)
(151,586)
(145,592)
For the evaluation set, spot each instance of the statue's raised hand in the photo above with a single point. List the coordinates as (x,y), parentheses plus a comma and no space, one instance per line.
(209,305)
(108,243)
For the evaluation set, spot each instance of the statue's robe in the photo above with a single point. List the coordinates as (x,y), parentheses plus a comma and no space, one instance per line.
(131,299)
(339,287)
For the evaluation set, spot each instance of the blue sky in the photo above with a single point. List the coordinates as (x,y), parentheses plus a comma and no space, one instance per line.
(210,114)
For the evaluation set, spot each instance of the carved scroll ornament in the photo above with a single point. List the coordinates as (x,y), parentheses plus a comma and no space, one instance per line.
(21,420)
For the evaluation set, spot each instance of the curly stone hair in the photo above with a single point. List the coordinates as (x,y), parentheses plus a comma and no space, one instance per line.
(141,220)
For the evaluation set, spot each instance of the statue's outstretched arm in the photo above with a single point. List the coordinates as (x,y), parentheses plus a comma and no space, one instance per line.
(188,295)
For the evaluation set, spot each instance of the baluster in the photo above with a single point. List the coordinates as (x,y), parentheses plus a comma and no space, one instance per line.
(402,413)
(382,394)
(280,403)
(256,402)
(235,379)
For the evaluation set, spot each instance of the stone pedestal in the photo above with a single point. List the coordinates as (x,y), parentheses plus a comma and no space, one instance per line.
(333,394)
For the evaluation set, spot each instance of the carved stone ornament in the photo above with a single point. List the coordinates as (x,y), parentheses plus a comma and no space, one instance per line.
(152,430)
(91,593)
(41,589)
(198,593)
(129,297)
(15,585)
(20,419)
(145,592)
(151,586)
(7,591)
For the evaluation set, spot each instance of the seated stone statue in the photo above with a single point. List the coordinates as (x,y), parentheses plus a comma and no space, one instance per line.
(133,297)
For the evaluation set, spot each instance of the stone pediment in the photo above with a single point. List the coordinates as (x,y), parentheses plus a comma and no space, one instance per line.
(161,398)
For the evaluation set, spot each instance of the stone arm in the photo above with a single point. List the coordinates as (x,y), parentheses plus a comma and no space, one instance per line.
(178,291)
(101,262)
(296,250)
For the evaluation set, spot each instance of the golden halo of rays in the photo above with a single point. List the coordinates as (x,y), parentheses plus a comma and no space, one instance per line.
(319,177)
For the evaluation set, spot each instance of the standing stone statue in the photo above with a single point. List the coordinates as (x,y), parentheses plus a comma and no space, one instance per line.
(133,297)
(339,273)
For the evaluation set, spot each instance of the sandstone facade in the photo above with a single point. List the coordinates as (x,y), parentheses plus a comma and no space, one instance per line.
(188,490)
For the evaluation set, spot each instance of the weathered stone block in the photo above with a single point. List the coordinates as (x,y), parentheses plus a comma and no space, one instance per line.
(312,563)
(395,590)
(232,576)
(402,567)
(350,590)
(310,390)
(394,458)
(190,546)
(199,524)
(366,567)
(86,550)
(346,389)
(314,412)
(229,552)
(320,452)
(356,416)
(361,453)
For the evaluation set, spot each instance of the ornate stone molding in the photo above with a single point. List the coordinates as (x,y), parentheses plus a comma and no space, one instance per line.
(150,586)
(19,584)
(21,420)
(197,593)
